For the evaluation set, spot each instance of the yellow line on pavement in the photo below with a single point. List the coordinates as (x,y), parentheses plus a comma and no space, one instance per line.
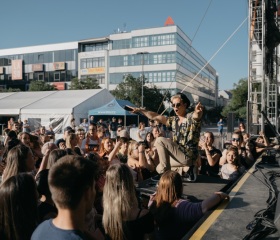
(199,233)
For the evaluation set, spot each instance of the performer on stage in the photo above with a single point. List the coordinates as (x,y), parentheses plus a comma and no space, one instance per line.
(181,153)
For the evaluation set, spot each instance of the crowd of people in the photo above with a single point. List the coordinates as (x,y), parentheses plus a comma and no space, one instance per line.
(83,185)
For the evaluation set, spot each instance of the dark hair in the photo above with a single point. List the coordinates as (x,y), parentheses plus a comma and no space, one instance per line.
(184,98)
(69,178)
(42,182)
(12,134)
(55,155)
(16,161)
(18,207)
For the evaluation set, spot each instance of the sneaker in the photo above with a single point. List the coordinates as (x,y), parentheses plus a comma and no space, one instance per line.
(191,174)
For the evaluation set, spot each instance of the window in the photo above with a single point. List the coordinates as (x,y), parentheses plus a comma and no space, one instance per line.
(41,76)
(56,77)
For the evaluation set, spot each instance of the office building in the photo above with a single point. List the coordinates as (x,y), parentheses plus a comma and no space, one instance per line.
(164,56)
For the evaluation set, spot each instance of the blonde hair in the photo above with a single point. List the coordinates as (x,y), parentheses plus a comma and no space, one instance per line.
(131,147)
(119,199)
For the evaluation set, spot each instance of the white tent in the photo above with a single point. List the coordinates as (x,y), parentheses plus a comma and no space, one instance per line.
(55,108)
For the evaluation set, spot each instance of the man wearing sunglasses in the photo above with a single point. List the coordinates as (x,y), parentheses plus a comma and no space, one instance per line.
(181,152)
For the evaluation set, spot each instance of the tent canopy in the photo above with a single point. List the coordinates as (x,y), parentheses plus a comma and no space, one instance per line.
(115,107)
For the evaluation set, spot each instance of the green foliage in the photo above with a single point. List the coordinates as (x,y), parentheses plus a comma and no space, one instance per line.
(88,83)
(239,99)
(10,90)
(40,86)
(131,89)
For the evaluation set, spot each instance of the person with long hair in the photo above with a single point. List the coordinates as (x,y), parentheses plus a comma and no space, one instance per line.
(108,150)
(174,216)
(71,142)
(139,160)
(20,159)
(209,155)
(18,207)
(233,169)
(122,218)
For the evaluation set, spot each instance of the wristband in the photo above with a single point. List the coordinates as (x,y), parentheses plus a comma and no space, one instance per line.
(141,152)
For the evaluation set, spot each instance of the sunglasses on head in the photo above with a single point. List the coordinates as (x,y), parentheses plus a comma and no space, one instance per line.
(177,105)
(236,139)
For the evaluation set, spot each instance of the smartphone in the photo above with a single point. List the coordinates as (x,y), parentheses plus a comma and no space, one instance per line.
(128,108)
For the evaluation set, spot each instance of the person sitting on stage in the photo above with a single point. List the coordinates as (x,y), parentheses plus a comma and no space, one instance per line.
(174,216)
(245,155)
(209,156)
(122,217)
(233,169)
(150,148)
(182,152)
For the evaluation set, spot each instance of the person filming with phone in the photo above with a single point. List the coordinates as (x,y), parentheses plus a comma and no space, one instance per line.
(181,152)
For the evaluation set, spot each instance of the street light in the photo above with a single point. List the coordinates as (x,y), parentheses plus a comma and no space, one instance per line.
(142,82)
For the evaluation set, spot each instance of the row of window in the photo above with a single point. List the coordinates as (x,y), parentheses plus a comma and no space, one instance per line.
(160,58)
(56,76)
(145,41)
(136,60)
(41,57)
(94,47)
(151,77)
(92,62)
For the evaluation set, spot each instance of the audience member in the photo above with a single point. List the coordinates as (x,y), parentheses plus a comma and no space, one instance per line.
(20,159)
(233,169)
(113,126)
(173,215)
(209,156)
(46,207)
(122,218)
(141,132)
(72,185)
(18,207)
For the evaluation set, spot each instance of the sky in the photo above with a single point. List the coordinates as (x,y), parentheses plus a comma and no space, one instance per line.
(208,23)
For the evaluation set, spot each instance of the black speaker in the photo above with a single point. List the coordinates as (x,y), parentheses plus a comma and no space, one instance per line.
(230,122)
(269,133)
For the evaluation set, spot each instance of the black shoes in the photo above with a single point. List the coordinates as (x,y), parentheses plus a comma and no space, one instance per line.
(191,174)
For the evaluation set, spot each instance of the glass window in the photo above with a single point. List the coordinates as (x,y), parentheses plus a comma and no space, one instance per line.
(89,63)
(83,63)
(63,76)
(56,76)
(41,76)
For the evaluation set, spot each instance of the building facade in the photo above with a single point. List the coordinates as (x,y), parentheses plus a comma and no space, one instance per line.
(164,56)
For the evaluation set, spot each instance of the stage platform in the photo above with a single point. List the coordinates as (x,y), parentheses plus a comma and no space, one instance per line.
(231,219)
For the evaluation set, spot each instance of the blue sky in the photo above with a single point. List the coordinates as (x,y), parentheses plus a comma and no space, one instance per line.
(36,22)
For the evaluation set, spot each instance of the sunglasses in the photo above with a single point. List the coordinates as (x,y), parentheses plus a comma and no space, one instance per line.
(236,139)
(176,105)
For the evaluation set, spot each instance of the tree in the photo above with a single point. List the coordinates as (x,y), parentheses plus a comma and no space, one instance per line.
(239,99)
(131,89)
(40,86)
(88,83)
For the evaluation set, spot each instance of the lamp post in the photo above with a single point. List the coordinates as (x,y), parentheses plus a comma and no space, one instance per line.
(142,82)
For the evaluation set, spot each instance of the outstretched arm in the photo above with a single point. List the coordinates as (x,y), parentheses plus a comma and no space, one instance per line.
(150,114)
